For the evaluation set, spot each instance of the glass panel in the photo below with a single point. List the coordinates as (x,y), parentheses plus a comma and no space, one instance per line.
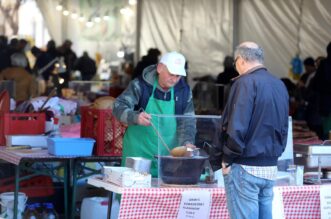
(174,131)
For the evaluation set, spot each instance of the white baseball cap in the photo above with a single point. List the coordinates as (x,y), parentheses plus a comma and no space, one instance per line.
(175,63)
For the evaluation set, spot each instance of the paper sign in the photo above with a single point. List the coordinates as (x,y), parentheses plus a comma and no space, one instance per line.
(194,205)
(325,197)
(278,205)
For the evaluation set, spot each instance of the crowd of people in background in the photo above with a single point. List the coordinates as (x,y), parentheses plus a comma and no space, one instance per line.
(310,95)
(43,66)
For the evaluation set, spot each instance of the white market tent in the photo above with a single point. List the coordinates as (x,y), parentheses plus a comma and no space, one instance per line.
(205,31)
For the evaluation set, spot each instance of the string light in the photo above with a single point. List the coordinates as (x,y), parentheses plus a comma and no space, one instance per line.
(106,17)
(126,12)
(59,7)
(81,18)
(97,19)
(132,2)
(120,54)
(89,23)
(66,12)
(74,15)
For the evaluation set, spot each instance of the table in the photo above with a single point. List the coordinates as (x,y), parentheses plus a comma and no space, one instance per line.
(19,158)
(77,163)
(299,201)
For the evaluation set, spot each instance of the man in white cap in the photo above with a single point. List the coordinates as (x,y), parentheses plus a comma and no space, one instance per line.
(160,90)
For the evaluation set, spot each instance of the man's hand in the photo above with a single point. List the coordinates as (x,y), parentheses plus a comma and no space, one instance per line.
(144,119)
(225,169)
(189,145)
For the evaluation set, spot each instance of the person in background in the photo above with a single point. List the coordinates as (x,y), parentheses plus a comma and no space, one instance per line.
(228,73)
(160,90)
(301,90)
(321,85)
(254,134)
(25,84)
(4,53)
(69,59)
(23,47)
(224,80)
(310,69)
(86,66)
(45,60)
(151,58)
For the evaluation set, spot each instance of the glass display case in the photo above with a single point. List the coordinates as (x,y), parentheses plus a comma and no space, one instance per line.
(172,166)
(210,97)
(191,167)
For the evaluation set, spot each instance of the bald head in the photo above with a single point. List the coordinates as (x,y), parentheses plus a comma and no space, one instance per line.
(249,44)
(250,55)
(250,52)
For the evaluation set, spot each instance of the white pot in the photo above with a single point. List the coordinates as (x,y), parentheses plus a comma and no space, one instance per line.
(7,204)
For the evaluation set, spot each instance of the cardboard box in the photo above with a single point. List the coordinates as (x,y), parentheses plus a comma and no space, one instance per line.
(126,177)
(28,140)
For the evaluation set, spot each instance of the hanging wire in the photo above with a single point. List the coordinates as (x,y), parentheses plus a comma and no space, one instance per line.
(299,27)
(181,30)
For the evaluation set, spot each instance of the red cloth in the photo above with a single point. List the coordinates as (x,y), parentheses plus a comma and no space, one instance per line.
(70,131)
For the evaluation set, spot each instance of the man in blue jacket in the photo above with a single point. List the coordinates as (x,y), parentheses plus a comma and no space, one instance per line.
(254,134)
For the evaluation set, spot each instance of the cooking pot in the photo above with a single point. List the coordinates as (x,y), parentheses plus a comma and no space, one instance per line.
(181,170)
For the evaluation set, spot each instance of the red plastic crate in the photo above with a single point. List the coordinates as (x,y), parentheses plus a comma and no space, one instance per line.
(21,124)
(102,126)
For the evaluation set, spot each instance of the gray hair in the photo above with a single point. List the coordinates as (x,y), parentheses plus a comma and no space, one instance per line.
(250,53)
(18,60)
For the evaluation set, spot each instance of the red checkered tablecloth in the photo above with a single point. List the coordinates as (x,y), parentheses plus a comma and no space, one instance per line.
(299,202)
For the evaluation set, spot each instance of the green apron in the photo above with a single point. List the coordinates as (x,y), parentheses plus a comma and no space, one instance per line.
(142,141)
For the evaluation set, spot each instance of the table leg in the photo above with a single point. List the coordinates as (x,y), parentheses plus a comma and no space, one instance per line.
(73,198)
(319,170)
(66,187)
(110,201)
(17,180)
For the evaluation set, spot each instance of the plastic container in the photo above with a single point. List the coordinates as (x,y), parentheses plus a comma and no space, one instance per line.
(49,212)
(21,123)
(102,126)
(7,204)
(70,146)
(55,133)
(31,212)
(94,207)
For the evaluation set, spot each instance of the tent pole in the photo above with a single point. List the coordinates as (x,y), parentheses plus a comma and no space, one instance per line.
(138,31)
(235,14)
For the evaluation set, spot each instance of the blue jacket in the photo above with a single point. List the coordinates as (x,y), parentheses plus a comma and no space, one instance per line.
(255,120)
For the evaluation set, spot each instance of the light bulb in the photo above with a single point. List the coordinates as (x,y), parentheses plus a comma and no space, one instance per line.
(106,17)
(97,19)
(74,15)
(66,12)
(59,7)
(132,2)
(89,23)
(120,54)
